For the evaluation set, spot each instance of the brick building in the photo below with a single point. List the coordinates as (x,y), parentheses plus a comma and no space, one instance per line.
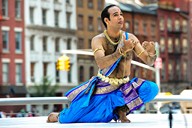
(12,48)
(173,17)
(89,24)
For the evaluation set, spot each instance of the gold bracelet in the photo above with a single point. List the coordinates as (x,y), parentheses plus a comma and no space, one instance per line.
(121,52)
(140,53)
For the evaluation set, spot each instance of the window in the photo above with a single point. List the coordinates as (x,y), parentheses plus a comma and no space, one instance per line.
(44,16)
(184,26)
(68,1)
(69,73)
(91,71)
(5,73)
(184,70)
(144,73)
(153,28)
(127,26)
(162,44)
(184,46)
(144,28)
(45,43)
(169,24)
(89,43)
(170,45)
(81,74)
(177,25)
(178,70)
(56,1)
(68,14)
(69,43)
(18,73)
(31,11)
(32,43)
(57,75)
(161,24)
(18,41)
(177,45)
(56,18)
(5,8)
(32,72)
(57,48)
(90,23)
(170,70)
(5,36)
(80,22)
(45,68)
(136,28)
(99,4)
(163,71)
(90,4)
(80,3)
(99,26)
(80,43)
(18,8)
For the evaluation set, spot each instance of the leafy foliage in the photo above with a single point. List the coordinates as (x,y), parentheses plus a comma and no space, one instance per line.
(45,89)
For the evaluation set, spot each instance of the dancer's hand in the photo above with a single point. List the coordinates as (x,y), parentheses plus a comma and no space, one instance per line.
(149,46)
(129,45)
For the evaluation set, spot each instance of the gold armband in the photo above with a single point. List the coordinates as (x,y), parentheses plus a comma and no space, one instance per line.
(97,49)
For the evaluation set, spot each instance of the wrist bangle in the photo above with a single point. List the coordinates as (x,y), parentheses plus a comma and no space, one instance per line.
(140,53)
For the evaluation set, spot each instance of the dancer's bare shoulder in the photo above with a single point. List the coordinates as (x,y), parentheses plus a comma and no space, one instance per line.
(98,41)
(98,38)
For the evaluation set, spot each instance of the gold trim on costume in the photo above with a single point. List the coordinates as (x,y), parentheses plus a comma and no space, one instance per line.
(132,104)
(73,94)
(113,81)
(140,81)
(107,89)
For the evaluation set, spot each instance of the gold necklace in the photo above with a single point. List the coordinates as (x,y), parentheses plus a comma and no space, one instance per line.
(109,39)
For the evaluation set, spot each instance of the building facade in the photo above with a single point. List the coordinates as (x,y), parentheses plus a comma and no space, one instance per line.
(50,28)
(89,24)
(12,48)
(174,41)
(166,22)
(142,22)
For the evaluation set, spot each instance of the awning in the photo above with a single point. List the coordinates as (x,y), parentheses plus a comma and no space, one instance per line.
(5,90)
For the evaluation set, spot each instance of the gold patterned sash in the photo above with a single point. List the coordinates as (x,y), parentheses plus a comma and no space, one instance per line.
(113,81)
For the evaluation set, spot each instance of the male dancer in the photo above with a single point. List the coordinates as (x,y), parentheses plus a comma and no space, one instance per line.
(111,94)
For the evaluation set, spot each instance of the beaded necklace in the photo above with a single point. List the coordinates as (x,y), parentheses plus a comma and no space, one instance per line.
(109,39)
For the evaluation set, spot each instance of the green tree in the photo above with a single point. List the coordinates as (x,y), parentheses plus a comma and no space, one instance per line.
(45,89)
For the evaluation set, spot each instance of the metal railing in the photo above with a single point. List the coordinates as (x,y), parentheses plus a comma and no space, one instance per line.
(64,100)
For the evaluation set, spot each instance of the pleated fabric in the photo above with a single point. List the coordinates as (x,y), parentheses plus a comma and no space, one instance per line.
(91,105)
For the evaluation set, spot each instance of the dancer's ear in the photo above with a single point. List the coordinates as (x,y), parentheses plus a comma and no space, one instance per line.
(106,20)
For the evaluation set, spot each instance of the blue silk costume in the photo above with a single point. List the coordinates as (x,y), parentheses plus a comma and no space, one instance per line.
(95,100)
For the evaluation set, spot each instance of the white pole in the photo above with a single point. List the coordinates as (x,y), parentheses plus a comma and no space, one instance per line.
(157,77)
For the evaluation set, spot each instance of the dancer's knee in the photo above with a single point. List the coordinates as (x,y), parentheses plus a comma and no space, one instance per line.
(148,91)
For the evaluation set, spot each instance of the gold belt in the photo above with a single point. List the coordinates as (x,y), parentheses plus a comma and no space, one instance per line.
(113,81)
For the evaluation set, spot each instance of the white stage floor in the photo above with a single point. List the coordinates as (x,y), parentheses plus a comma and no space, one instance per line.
(137,121)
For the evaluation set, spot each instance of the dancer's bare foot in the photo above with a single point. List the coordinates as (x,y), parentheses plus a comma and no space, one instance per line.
(123,118)
(52,117)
